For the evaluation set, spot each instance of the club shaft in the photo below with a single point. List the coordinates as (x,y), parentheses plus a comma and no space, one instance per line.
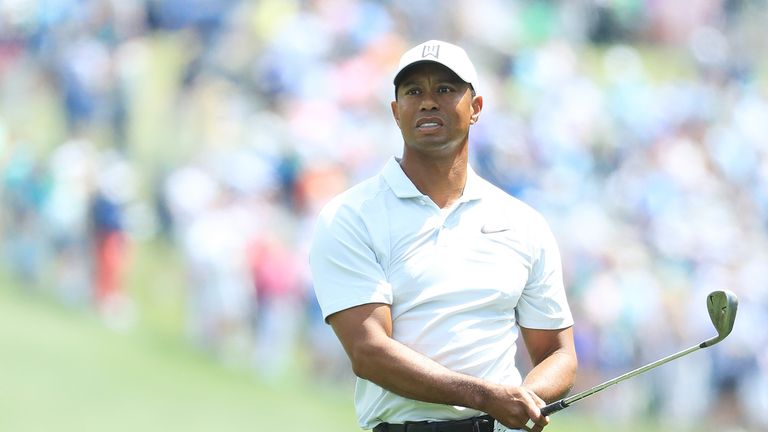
(562,403)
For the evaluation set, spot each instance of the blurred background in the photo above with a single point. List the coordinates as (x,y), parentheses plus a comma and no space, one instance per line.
(162,163)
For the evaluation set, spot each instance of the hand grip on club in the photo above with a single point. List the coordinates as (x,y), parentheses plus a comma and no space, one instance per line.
(554,407)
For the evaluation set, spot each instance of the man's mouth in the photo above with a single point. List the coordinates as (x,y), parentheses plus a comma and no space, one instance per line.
(426,124)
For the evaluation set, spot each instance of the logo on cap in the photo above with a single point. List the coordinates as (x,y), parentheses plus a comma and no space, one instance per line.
(430,50)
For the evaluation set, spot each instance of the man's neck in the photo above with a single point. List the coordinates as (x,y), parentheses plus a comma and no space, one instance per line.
(441,179)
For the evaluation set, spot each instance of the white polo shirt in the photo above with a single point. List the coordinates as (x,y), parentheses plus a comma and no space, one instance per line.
(457,281)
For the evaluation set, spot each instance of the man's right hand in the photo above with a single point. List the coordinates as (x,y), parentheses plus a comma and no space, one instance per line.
(515,406)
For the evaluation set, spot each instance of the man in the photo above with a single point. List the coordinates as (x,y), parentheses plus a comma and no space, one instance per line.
(427,274)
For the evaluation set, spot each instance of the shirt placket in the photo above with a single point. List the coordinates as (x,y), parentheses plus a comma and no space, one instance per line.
(445,226)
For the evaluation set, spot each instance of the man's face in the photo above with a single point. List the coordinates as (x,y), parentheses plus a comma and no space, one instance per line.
(434,109)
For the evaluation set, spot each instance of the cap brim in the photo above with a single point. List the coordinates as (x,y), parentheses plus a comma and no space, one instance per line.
(402,72)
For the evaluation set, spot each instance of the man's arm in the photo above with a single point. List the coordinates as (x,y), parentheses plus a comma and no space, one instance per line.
(366,333)
(554,359)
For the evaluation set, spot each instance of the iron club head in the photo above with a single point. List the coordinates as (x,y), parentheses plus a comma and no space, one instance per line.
(722,306)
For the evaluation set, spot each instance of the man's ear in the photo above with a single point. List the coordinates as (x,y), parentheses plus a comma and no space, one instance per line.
(477,106)
(395,112)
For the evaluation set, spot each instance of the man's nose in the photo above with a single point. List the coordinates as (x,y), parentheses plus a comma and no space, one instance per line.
(428,103)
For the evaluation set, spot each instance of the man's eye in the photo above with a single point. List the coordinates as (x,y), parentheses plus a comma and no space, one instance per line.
(444,90)
(412,91)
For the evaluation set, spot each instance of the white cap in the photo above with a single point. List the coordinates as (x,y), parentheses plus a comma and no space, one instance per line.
(449,55)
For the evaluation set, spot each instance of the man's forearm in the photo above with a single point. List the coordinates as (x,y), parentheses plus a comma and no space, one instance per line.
(553,378)
(403,371)
(408,373)
(366,333)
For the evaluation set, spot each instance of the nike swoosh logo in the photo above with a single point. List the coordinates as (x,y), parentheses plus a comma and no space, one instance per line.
(490,230)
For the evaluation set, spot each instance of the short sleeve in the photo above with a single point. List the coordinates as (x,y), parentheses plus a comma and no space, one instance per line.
(543,303)
(345,269)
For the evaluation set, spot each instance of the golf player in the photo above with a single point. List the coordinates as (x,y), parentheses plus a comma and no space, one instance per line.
(428,274)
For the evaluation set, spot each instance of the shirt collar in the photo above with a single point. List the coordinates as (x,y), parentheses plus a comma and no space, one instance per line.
(473,187)
(403,187)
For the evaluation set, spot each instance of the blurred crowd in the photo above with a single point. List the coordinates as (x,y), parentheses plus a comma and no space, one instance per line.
(639,129)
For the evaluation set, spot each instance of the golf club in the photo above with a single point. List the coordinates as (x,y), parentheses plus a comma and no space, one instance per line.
(721,305)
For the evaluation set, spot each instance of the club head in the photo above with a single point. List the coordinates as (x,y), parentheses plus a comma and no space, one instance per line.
(722,306)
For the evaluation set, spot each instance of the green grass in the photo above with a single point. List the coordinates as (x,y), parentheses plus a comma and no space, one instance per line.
(65,371)
(62,369)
